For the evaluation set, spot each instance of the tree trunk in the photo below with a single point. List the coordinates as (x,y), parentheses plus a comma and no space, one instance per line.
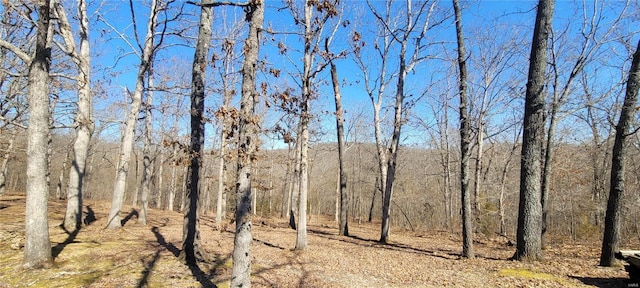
(287,187)
(301,237)
(530,210)
(83,123)
(221,176)
(503,180)
(37,249)
(478,168)
(4,165)
(395,141)
(248,132)
(174,169)
(611,239)
(183,194)
(465,141)
(147,162)
(113,221)
(136,191)
(342,179)
(191,249)
(546,172)
(161,152)
(58,193)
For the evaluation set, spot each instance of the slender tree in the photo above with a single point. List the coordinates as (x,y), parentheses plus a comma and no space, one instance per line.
(37,249)
(465,139)
(126,145)
(248,133)
(529,246)
(416,24)
(611,239)
(229,81)
(595,34)
(4,163)
(191,250)
(342,174)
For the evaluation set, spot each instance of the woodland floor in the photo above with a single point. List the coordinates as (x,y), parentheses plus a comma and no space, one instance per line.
(145,256)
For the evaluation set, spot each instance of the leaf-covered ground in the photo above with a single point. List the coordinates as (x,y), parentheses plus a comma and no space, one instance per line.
(146,256)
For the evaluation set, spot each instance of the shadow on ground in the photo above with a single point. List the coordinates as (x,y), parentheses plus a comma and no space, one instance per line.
(607,282)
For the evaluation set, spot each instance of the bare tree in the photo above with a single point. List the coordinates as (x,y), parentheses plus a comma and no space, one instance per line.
(342,174)
(611,239)
(594,35)
(83,123)
(465,139)
(529,246)
(225,114)
(176,158)
(248,133)
(37,249)
(126,146)
(191,248)
(410,39)
(313,25)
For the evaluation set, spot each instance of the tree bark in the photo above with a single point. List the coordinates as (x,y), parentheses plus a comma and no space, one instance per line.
(147,162)
(465,140)
(161,152)
(248,133)
(4,165)
(301,236)
(611,239)
(342,173)
(191,250)
(37,249)
(529,246)
(174,167)
(113,221)
(65,163)
(84,123)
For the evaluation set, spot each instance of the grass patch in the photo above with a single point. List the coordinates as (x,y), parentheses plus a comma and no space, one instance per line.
(528,274)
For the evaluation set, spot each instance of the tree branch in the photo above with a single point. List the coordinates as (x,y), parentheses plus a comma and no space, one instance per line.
(209,3)
(21,54)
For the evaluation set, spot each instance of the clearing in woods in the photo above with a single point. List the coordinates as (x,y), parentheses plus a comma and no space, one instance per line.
(145,256)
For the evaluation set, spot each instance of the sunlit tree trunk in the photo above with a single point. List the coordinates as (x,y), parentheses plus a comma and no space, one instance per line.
(146,154)
(37,249)
(248,132)
(84,123)
(126,146)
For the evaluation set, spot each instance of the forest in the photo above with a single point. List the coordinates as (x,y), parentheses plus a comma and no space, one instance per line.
(506,130)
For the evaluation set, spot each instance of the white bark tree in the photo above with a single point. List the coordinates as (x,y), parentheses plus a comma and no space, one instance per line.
(126,146)
(409,35)
(37,249)
(83,123)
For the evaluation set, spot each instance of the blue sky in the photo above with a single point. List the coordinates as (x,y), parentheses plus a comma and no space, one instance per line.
(494,21)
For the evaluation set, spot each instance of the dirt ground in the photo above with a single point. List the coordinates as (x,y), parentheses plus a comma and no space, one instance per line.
(145,256)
